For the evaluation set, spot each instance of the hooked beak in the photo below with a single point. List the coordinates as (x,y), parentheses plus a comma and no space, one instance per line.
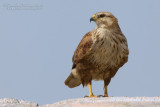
(91,19)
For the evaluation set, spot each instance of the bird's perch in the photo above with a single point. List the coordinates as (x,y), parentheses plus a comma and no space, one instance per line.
(89,102)
(109,102)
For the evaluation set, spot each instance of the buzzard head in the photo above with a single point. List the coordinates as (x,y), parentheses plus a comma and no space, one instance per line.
(104,19)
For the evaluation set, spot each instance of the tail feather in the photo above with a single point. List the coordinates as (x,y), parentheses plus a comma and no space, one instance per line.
(72,81)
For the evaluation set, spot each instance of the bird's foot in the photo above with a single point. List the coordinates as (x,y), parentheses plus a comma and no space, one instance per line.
(100,96)
(104,96)
(90,96)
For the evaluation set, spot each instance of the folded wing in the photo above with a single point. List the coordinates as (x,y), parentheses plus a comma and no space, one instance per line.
(83,48)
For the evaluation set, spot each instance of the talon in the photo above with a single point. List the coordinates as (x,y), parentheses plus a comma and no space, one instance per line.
(105,95)
(100,96)
(90,96)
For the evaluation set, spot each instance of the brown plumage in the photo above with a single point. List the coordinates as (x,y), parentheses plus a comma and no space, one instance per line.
(100,53)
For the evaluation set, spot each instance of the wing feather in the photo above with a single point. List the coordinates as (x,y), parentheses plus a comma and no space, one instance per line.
(83,48)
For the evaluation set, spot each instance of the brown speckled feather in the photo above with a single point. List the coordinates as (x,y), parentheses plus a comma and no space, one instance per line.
(83,48)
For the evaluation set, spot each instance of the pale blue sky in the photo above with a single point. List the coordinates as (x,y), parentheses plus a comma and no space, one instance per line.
(38,39)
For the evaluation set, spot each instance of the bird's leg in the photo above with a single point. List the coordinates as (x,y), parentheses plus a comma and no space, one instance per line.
(90,91)
(105,91)
(106,83)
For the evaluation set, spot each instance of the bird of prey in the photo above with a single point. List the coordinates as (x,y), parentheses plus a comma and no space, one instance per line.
(100,53)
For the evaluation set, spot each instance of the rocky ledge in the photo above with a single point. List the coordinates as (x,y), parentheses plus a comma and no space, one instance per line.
(89,102)
(10,102)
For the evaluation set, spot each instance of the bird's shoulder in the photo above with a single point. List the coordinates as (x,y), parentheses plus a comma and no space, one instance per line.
(83,48)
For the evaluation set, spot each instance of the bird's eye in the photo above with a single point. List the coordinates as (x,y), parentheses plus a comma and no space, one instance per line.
(102,15)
